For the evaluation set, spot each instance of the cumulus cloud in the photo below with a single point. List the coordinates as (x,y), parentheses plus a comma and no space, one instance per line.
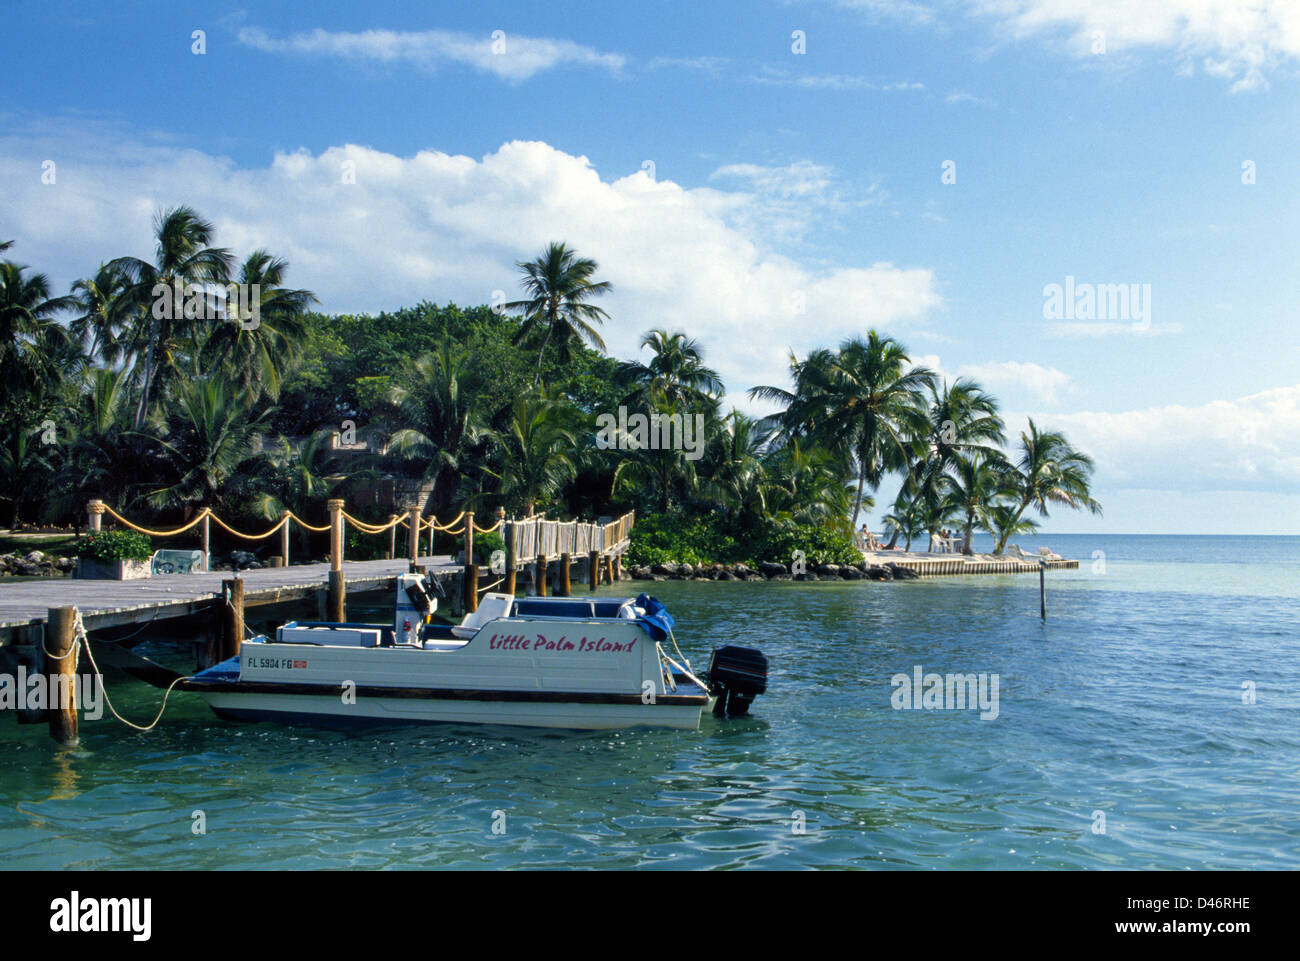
(451,227)
(507,55)
(1239,40)
(1043,383)
(1248,444)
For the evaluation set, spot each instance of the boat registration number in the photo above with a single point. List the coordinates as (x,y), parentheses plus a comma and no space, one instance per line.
(276,663)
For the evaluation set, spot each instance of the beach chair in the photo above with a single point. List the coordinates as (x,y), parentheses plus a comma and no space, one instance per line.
(176,562)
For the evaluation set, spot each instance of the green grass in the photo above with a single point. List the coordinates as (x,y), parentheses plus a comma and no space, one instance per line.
(57,545)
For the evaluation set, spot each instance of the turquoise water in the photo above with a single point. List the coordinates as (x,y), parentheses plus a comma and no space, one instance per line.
(1127,701)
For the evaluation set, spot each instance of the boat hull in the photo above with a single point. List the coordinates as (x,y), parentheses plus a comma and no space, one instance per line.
(585,713)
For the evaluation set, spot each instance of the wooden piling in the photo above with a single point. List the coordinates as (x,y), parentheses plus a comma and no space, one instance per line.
(205,533)
(415,535)
(232,618)
(541,575)
(508,532)
(593,569)
(284,540)
(392,537)
(470,580)
(61,672)
(336,598)
(1042,590)
(565,561)
(95,515)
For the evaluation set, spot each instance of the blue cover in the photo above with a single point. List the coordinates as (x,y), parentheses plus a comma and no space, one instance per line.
(227,670)
(656,620)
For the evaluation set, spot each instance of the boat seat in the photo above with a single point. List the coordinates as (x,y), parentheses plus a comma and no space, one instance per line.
(489,609)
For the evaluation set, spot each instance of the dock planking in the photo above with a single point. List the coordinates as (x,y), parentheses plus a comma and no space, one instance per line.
(104,603)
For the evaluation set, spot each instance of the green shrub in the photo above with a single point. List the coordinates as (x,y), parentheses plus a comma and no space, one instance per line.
(708,539)
(485,545)
(110,546)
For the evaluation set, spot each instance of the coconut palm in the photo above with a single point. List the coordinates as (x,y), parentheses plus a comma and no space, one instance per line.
(28,330)
(24,469)
(1050,471)
(862,399)
(206,436)
(255,352)
(441,422)
(559,287)
(735,478)
(806,484)
(538,452)
(1005,522)
(676,374)
(976,481)
(182,257)
(104,314)
(905,525)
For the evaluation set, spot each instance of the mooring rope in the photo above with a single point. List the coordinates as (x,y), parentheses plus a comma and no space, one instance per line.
(151,533)
(79,629)
(250,537)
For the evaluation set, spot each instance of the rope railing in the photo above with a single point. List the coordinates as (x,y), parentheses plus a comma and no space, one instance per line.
(528,539)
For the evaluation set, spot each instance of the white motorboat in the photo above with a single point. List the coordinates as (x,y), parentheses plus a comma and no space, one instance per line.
(559,662)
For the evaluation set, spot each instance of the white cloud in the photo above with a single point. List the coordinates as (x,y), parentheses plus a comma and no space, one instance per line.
(1108,328)
(449,227)
(1252,443)
(510,56)
(1238,40)
(1043,383)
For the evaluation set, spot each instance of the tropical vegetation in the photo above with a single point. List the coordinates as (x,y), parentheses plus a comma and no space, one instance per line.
(192,378)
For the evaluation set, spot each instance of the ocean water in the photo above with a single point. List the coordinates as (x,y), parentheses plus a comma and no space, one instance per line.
(1125,737)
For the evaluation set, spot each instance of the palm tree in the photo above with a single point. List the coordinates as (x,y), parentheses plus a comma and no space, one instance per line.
(806,484)
(559,286)
(905,525)
(960,419)
(103,456)
(206,437)
(862,400)
(104,313)
(734,476)
(441,421)
(1005,522)
(538,452)
(676,374)
(257,355)
(22,469)
(975,482)
(296,477)
(1050,471)
(28,331)
(183,256)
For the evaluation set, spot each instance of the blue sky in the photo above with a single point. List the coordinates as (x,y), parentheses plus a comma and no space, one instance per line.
(761,199)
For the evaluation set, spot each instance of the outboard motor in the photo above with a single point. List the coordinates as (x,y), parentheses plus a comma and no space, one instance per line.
(736,676)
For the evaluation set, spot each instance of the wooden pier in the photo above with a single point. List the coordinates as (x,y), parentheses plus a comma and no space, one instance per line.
(949,565)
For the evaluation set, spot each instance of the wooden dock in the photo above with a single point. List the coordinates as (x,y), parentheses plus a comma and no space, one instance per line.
(105,603)
(949,565)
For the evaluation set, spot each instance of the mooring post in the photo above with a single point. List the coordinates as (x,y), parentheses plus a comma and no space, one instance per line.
(508,534)
(593,569)
(284,540)
(392,537)
(207,541)
(609,569)
(61,670)
(415,535)
(433,529)
(95,515)
(565,561)
(616,567)
(1042,589)
(470,581)
(337,592)
(541,575)
(232,619)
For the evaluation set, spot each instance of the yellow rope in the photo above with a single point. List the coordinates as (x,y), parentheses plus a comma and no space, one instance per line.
(489,530)
(250,537)
(370,528)
(144,530)
(447,527)
(302,523)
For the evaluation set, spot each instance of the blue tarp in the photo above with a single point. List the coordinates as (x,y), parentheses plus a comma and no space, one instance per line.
(656,620)
(227,670)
